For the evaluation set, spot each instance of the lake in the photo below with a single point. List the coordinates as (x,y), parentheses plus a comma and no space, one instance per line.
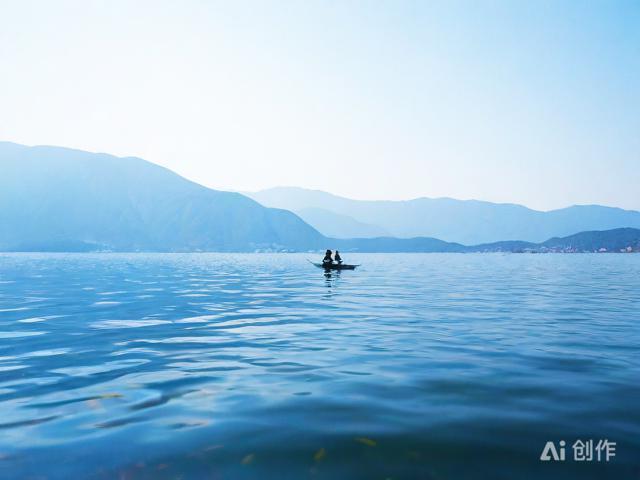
(430,366)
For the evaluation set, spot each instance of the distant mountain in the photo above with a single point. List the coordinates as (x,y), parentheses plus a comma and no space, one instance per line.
(616,240)
(335,225)
(54,198)
(462,221)
(58,199)
(397,245)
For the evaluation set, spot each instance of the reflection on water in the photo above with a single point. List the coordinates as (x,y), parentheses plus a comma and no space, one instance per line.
(263,366)
(331,279)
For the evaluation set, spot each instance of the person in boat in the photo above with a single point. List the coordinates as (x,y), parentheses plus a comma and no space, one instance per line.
(337,257)
(327,260)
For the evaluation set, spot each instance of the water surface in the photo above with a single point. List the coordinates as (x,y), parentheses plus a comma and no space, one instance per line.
(429,366)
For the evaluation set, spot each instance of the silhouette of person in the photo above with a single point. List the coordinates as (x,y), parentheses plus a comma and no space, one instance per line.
(327,258)
(338,258)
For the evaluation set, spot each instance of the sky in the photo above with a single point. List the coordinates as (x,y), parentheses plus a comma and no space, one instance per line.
(530,102)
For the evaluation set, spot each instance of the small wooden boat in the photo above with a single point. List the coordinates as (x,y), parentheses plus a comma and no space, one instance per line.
(335,266)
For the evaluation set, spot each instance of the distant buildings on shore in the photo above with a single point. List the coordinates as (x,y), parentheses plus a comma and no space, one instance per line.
(570,249)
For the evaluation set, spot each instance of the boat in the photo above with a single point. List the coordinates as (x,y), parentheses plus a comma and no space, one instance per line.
(335,266)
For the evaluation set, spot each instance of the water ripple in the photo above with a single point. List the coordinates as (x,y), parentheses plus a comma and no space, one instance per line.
(260,366)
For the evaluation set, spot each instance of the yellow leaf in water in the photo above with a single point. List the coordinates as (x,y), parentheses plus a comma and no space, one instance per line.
(110,395)
(320,454)
(248,459)
(366,441)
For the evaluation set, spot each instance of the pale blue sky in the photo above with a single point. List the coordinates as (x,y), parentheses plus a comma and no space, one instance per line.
(528,102)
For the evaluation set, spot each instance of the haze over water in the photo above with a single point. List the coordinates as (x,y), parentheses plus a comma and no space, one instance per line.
(261,366)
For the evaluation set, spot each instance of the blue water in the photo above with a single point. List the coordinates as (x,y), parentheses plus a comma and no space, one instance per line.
(429,366)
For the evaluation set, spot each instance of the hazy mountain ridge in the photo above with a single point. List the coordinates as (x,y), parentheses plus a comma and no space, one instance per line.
(58,199)
(336,225)
(460,221)
(616,240)
(52,197)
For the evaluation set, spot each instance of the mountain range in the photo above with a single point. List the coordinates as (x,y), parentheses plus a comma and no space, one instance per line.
(54,198)
(60,199)
(615,240)
(468,222)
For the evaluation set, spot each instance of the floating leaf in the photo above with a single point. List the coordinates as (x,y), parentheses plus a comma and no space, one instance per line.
(110,395)
(366,441)
(319,455)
